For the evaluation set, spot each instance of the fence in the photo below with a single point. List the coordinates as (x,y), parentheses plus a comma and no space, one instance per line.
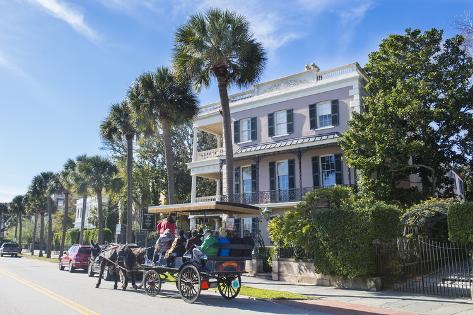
(425,266)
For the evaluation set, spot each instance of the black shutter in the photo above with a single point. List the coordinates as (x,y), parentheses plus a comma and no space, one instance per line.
(338,169)
(237,180)
(236,131)
(253,128)
(254,227)
(271,125)
(313,116)
(254,179)
(290,121)
(272,176)
(316,171)
(291,165)
(237,227)
(335,113)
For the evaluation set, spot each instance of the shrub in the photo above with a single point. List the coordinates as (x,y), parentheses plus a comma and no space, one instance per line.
(460,223)
(72,236)
(428,219)
(384,219)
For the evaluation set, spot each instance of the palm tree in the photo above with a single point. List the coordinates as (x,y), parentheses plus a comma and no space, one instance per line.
(3,211)
(219,44)
(81,186)
(17,206)
(39,188)
(120,124)
(31,208)
(100,174)
(159,99)
(66,177)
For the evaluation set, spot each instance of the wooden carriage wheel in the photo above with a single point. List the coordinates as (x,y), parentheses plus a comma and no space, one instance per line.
(229,286)
(188,283)
(152,282)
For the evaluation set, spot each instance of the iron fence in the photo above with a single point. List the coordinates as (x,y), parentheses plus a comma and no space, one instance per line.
(425,266)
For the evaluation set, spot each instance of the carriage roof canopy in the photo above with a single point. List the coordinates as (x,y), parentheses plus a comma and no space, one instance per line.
(214,206)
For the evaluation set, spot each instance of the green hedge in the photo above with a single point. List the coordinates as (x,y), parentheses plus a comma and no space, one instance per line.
(460,223)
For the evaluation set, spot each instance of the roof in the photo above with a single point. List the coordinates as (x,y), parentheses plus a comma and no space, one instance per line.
(289,144)
(214,206)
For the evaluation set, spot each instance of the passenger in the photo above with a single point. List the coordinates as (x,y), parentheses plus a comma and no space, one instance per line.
(209,247)
(163,244)
(168,223)
(193,241)
(223,240)
(174,254)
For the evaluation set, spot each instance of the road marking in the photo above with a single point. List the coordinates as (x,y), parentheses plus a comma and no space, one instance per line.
(54,296)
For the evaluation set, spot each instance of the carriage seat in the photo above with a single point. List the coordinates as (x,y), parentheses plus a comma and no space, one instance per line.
(238,252)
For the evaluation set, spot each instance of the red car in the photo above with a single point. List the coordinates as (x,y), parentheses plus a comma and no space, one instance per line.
(77,257)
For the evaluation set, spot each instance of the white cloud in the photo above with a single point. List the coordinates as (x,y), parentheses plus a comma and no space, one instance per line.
(8,64)
(70,15)
(133,6)
(349,19)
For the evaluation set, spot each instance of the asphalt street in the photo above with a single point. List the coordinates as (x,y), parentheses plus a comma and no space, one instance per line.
(29,286)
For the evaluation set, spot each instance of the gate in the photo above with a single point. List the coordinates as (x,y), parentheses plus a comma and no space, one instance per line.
(426,267)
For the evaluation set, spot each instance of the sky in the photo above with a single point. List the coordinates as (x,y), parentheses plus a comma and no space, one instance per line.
(63,62)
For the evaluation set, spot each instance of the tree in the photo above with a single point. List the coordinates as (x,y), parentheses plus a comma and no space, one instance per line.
(100,174)
(3,211)
(66,178)
(81,187)
(39,192)
(417,117)
(464,25)
(219,44)
(159,99)
(17,206)
(119,125)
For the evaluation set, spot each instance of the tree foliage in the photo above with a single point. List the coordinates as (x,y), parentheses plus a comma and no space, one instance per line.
(416,119)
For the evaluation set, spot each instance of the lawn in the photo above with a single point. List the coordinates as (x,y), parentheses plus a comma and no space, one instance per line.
(44,258)
(272,294)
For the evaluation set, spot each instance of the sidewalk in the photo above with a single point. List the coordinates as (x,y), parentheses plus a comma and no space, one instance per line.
(340,301)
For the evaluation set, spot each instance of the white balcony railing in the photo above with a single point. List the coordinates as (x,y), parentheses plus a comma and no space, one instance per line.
(207,198)
(210,154)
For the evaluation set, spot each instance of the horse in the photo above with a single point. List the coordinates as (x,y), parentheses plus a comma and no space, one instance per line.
(109,257)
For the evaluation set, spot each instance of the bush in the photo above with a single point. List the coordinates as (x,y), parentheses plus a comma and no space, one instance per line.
(428,219)
(338,235)
(460,223)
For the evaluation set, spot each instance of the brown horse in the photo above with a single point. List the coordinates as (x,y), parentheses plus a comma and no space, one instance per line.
(121,258)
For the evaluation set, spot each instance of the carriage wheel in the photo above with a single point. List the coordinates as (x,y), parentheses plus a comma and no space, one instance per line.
(188,283)
(229,286)
(152,282)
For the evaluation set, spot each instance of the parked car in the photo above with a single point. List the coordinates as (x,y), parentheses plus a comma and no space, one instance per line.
(9,248)
(77,257)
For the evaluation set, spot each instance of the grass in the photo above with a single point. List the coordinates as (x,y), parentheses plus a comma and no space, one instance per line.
(44,258)
(272,294)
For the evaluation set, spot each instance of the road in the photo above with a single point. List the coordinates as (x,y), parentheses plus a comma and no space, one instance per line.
(29,286)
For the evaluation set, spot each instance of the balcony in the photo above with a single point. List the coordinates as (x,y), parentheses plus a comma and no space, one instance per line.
(266,197)
(209,154)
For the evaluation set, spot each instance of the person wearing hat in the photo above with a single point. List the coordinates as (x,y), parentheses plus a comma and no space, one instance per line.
(209,247)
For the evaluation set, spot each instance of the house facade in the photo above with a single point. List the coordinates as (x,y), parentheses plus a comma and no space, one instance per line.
(285,134)
(91,204)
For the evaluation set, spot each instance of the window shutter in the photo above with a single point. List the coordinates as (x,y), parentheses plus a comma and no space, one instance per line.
(271,125)
(272,176)
(291,165)
(254,178)
(254,227)
(290,121)
(237,227)
(316,171)
(313,116)
(236,131)
(335,111)
(237,180)
(338,169)
(253,128)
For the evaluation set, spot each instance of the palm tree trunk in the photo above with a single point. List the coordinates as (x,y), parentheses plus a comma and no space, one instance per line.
(100,214)
(34,232)
(64,223)
(50,228)
(129,172)
(82,219)
(20,228)
(16,231)
(227,132)
(169,157)
(41,234)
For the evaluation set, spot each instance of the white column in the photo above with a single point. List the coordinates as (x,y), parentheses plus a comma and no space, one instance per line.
(195,142)
(219,141)
(194,189)
(218,192)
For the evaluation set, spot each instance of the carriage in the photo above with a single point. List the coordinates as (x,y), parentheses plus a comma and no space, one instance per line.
(222,273)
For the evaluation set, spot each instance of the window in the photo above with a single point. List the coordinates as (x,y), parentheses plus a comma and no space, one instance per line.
(245,130)
(283,175)
(327,164)
(246,179)
(280,122)
(247,225)
(324,113)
